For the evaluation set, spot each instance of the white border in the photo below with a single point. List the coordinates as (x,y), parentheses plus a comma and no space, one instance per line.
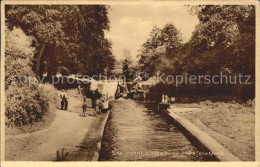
(130,164)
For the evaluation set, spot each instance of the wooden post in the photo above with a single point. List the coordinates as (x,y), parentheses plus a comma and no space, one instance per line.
(62,154)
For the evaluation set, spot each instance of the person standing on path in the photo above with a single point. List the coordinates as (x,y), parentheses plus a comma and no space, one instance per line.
(98,106)
(94,97)
(62,94)
(65,98)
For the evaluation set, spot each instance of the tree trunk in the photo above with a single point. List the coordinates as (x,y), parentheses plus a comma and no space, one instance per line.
(51,62)
(39,58)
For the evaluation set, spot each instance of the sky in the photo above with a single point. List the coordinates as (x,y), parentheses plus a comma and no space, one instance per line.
(130,25)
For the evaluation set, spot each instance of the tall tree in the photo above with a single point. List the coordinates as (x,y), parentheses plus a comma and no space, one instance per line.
(163,45)
(223,41)
(67,36)
(226,36)
(127,63)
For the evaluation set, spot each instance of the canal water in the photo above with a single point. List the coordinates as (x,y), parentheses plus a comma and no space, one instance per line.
(137,132)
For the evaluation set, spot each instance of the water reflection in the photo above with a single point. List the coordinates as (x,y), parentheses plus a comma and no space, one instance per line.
(136,132)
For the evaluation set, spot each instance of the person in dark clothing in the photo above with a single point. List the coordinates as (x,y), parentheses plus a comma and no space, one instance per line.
(64,100)
(94,96)
(93,100)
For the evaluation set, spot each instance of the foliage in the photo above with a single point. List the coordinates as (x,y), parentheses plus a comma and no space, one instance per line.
(50,39)
(125,66)
(117,68)
(25,103)
(18,56)
(127,63)
(50,92)
(66,36)
(227,35)
(162,45)
(222,42)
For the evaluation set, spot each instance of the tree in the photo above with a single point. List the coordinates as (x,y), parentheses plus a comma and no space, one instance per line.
(223,41)
(67,37)
(127,63)
(118,68)
(18,57)
(161,48)
(229,32)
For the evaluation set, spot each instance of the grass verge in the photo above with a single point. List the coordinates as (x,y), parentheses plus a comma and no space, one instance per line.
(230,123)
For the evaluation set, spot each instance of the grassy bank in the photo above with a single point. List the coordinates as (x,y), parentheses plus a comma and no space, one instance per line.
(231,124)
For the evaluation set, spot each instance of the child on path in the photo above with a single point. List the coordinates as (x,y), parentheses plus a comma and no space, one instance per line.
(79,90)
(84,107)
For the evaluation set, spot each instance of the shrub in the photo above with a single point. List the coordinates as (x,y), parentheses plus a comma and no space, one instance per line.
(24,105)
(50,92)
(18,55)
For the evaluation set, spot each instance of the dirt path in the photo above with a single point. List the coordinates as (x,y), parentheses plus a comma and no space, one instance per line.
(67,130)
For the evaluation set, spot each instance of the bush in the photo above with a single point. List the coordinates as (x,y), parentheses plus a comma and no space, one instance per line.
(24,105)
(50,92)
(18,55)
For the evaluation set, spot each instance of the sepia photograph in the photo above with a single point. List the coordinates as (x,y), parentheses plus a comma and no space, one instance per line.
(128,81)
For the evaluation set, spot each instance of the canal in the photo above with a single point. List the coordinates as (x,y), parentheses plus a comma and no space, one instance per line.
(137,132)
